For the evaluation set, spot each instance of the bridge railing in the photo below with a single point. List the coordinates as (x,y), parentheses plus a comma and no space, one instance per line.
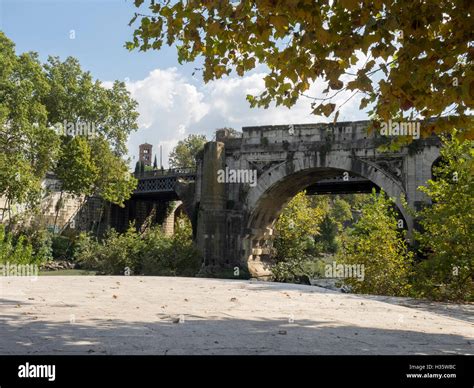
(165,172)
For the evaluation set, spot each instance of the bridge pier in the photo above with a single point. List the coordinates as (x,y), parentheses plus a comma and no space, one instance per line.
(258,255)
(210,233)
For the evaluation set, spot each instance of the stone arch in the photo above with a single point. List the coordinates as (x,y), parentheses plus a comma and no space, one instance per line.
(176,209)
(179,211)
(437,162)
(277,185)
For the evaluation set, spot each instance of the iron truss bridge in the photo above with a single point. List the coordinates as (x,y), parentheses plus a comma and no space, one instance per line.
(162,181)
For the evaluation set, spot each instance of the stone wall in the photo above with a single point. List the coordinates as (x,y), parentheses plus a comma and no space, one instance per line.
(59,211)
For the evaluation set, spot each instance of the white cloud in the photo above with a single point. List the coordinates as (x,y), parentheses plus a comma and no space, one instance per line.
(171,106)
(168,106)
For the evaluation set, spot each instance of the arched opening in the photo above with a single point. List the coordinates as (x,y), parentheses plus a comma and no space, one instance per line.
(438,162)
(176,214)
(276,187)
(179,212)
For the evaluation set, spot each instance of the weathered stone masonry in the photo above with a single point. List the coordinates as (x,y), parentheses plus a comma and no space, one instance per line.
(234,221)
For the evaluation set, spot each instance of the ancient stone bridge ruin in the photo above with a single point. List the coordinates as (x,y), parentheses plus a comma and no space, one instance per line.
(233,220)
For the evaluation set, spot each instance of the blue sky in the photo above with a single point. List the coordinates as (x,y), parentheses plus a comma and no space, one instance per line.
(172,102)
(101,29)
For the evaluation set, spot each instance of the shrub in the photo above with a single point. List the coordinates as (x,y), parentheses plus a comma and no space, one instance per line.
(113,255)
(40,239)
(150,253)
(16,250)
(171,256)
(41,243)
(448,226)
(63,247)
(295,243)
(87,251)
(327,241)
(376,243)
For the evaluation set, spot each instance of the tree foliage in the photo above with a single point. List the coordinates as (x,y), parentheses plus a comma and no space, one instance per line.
(375,242)
(91,163)
(448,225)
(185,152)
(36,100)
(230,132)
(25,246)
(295,233)
(15,250)
(114,182)
(76,168)
(74,97)
(418,54)
(28,147)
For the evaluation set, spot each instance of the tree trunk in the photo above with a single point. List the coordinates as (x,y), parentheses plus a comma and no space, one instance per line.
(58,204)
